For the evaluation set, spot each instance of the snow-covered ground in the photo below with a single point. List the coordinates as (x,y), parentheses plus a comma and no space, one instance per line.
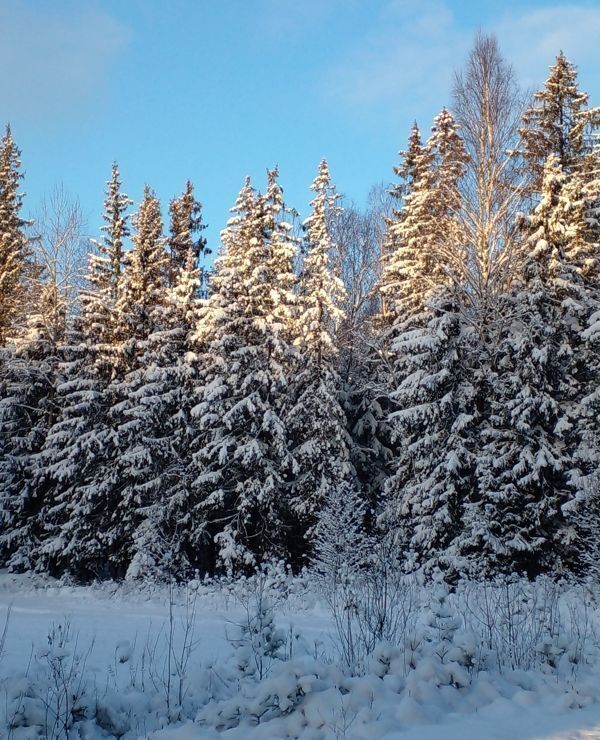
(116,658)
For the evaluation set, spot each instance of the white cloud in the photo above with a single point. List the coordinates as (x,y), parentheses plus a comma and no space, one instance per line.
(55,57)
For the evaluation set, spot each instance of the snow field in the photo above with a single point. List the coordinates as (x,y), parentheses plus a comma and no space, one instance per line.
(248,663)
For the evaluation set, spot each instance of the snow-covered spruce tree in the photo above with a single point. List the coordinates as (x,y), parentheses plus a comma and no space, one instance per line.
(408,169)
(72,456)
(365,402)
(533,463)
(317,425)
(27,410)
(185,232)
(32,375)
(367,399)
(70,466)
(433,399)
(239,491)
(423,242)
(435,428)
(131,475)
(160,542)
(558,123)
(512,492)
(15,251)
(159,435)
(283,252)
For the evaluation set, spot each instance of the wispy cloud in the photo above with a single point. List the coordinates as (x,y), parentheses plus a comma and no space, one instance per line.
(407,56)
(531,40)
(55,57)
(277,19)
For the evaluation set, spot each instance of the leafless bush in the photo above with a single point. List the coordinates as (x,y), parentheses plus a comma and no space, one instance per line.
(524,625)
(370,599)
(168,671)
(4,631)
(61,681)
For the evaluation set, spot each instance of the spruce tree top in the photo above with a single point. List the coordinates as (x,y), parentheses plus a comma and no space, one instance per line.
(147,260)
(322,293)
(11,200)
(408,170)
(424,241)
(559,121)
(15,254)
(10,176)
(186,222)
(106,269)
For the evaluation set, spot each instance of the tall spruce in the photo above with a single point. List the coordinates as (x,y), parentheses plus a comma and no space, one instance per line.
(368,401)
(154,414)
(317,424)
(162,435)
(140,294)
(72,459)
(432,401)
(71,466)
(28,378)
(132,467)
(30,374)
(242,446)
(532,467)
(536,439)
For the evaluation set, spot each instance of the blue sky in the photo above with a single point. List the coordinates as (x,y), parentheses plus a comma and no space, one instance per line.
(217,89)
